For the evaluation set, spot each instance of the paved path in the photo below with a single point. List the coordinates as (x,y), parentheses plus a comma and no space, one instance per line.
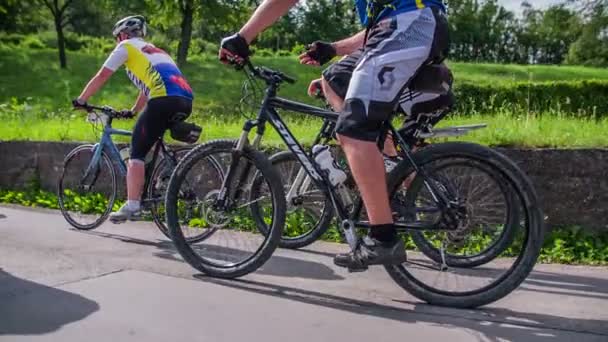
(126,283)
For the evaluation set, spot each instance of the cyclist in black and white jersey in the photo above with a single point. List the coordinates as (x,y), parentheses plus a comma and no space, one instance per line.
(365,87)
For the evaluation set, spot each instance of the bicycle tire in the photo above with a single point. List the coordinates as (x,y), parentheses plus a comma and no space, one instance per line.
(532,243)
(159,170)
(105,160)
(494,249)
(310,236)
(264,252)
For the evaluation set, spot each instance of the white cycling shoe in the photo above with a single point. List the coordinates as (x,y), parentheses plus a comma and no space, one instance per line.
(125,213)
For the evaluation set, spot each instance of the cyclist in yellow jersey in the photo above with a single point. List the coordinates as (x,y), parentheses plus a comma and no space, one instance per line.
(164,94)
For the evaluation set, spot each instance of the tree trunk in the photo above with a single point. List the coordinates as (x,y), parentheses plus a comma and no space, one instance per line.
(186,34)
(61,43)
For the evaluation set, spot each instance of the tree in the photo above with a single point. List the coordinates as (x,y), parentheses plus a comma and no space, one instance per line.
(591,48)
(168,12)
(58,9)
(186,8)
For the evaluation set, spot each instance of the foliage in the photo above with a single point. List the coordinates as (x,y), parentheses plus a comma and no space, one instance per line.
(482,88)
(571,245)
(591,48)
(580,98)
(481,30)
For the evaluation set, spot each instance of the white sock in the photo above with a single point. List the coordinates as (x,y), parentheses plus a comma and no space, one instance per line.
(133,205)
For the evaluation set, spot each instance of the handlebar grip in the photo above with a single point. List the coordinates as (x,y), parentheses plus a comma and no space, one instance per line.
(77,104)
(288,79)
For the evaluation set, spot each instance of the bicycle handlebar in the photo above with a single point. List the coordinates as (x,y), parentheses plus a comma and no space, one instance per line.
(111,112)
(269,75)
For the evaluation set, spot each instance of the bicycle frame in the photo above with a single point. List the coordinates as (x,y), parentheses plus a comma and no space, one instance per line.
(107,144)
(268,113)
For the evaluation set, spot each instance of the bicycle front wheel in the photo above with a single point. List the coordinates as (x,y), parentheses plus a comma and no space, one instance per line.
(86,191)
(233,246)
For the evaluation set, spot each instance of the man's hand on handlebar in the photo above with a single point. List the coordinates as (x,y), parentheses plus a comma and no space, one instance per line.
(234,50)
(79,104)
(127,114)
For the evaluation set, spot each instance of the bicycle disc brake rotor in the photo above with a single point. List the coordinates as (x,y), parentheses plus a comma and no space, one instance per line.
(214,218)
(456,219)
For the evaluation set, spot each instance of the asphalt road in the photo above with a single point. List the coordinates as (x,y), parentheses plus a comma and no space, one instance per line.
(126,283)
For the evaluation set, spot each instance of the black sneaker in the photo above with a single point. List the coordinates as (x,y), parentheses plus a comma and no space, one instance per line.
(372,252)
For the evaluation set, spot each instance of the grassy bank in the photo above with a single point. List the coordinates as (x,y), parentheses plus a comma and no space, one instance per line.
(34,74)
(35,96)
(503,129)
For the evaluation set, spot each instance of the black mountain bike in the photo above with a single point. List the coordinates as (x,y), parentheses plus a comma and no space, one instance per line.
(490,223)
(88,186)
(250,180)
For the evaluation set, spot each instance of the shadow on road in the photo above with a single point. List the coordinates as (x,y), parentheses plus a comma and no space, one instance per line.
(522,327)
(28,308)
(280,266)
(565,284)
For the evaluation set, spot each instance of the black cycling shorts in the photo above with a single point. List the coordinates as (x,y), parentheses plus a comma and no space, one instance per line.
(154,121)
(373,79)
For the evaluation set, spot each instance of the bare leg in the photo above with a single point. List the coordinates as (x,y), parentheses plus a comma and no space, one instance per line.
(335,101)
(367,167)
(135,180)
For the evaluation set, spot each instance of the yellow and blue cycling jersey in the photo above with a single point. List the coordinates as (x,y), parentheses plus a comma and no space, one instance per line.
(151,69)
(394,7)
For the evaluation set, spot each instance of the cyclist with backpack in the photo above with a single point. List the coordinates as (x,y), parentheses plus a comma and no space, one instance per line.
(401,36)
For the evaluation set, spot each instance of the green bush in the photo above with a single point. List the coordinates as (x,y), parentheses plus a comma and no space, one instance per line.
(11,38)
(32,42)
(49,38)
(199,46)
(578,98)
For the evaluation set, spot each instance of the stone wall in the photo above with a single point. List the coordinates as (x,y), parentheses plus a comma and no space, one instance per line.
(572,184)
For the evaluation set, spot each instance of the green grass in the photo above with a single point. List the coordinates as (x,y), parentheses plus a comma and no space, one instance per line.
(503,129)
(35,96)
(501,73)
(35,74)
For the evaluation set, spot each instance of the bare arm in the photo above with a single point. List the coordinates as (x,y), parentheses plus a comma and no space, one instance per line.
(267,14)
(350,44)
(95,83)
(142,99)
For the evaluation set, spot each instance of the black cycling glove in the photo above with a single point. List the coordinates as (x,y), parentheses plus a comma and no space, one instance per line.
(321,52)
(127,114)
(77,103)
(235,45)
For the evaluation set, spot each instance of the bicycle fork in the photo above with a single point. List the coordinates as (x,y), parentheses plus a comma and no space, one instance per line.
(234,172)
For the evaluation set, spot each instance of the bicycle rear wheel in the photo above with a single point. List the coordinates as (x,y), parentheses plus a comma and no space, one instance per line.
(86,199)
(309,212)
(157,188)
(233,247)
(445,284)
(492,207)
